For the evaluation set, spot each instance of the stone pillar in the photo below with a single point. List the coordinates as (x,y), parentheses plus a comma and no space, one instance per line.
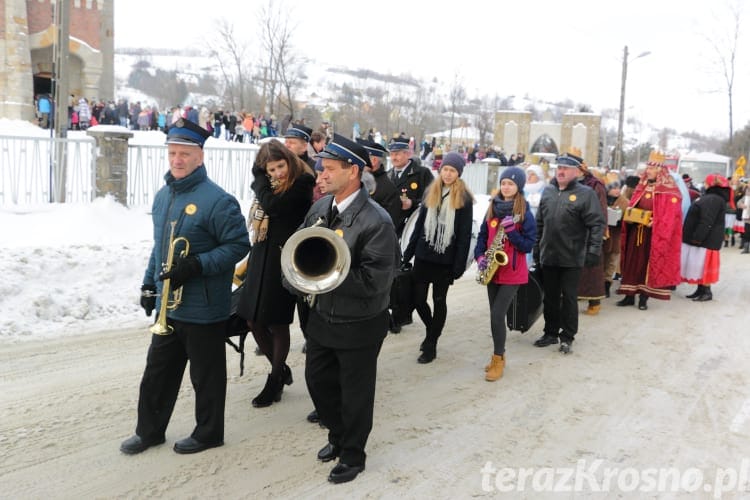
(16,81)
(111,160)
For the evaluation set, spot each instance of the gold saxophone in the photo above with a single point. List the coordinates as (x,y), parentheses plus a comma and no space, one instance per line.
(161,327)
(495,256)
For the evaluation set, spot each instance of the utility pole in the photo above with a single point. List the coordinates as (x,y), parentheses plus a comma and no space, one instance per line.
(61,76)
(618,146)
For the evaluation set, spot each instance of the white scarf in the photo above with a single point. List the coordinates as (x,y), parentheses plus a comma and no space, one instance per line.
(439,222)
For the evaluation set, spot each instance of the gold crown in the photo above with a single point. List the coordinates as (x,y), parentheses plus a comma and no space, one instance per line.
(575,151)
(656,158)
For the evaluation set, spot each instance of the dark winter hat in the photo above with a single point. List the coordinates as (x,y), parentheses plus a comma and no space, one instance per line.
(632,181)
(398,144)
(516,175)
(343,149)
(454,160)
(686,178)
(373,148)
(298,132)
(187,133)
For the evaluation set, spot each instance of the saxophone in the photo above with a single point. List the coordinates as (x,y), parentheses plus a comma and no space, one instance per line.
(495,256)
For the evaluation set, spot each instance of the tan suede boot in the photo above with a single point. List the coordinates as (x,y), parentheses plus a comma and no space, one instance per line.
(487,366)
(592,310)
(496,368)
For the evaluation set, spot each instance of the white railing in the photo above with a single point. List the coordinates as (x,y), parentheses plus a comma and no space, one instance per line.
(28,174)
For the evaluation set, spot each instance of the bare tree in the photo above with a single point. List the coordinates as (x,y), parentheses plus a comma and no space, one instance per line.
(231,55)
(724,44)
(457,97)
(284,70)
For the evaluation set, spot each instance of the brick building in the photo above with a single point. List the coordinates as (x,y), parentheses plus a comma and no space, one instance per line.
(27,43)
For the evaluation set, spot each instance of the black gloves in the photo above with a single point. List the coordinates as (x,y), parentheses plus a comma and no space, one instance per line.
(182,271)
(148,298)
(258,171)
(591,260)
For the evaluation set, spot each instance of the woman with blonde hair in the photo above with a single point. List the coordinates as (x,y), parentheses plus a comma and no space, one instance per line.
(440,246)
(283,188)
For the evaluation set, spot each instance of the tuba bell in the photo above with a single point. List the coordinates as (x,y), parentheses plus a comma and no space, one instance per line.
(315,260)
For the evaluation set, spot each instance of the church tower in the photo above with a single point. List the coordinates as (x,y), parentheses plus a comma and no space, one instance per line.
(27,41)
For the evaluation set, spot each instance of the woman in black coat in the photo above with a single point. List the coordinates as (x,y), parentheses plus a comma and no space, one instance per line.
(283,189)
(702,236)
(440,247)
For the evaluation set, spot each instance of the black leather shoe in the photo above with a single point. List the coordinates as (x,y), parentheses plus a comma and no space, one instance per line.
(698,291)
(190,445)
(343,473)
(313,417)
(566,347)
(395,328)
(134,444)
(329,452)
(628,300)
(642,302)
(270,394)
(286,375)
(545,340)
(427,356)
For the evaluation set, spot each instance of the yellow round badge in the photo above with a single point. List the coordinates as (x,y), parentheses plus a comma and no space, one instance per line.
(339,232)
(674,199)
(414,185)
(572,197)
(648,195)
(493,223)
(190,209)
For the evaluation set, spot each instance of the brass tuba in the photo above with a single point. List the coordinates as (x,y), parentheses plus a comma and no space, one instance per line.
(161,327)
(315,260)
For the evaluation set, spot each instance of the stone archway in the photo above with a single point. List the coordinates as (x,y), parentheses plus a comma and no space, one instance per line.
(544,144)
(84,68)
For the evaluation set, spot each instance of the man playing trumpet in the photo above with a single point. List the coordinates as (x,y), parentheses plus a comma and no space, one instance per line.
(192,207)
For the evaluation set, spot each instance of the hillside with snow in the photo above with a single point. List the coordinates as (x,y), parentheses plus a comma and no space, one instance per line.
(325,85)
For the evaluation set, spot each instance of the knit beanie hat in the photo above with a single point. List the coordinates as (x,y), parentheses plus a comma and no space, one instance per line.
(516,175)
(455,160)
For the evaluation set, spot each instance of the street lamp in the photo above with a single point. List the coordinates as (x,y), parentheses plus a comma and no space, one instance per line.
(618,148)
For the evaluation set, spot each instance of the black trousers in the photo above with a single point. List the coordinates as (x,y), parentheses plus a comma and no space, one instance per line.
(203,346)
(561,301)
(342,386)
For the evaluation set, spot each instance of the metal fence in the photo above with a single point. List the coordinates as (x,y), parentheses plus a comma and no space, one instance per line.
(28,174)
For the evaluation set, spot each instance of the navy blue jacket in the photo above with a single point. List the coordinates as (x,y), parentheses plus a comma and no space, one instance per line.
(212,221)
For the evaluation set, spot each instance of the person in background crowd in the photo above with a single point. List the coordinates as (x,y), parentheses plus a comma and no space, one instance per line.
(692,190)
(744,205)
(385,193)
(283,189)
(347,325)
(650,245)
(297,138)
(702,235)
(211,219)
(510,213)
(570,230)
(44,108)
(440,247)
(535,183)
(591,282)
(617,203)
(410,179)
(84,114)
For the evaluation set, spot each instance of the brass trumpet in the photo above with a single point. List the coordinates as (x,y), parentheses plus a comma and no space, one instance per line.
(161,327)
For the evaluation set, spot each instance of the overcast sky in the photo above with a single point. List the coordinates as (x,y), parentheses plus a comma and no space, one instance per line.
(548,49)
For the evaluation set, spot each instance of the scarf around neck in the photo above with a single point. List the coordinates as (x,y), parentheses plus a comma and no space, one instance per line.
(439,222)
